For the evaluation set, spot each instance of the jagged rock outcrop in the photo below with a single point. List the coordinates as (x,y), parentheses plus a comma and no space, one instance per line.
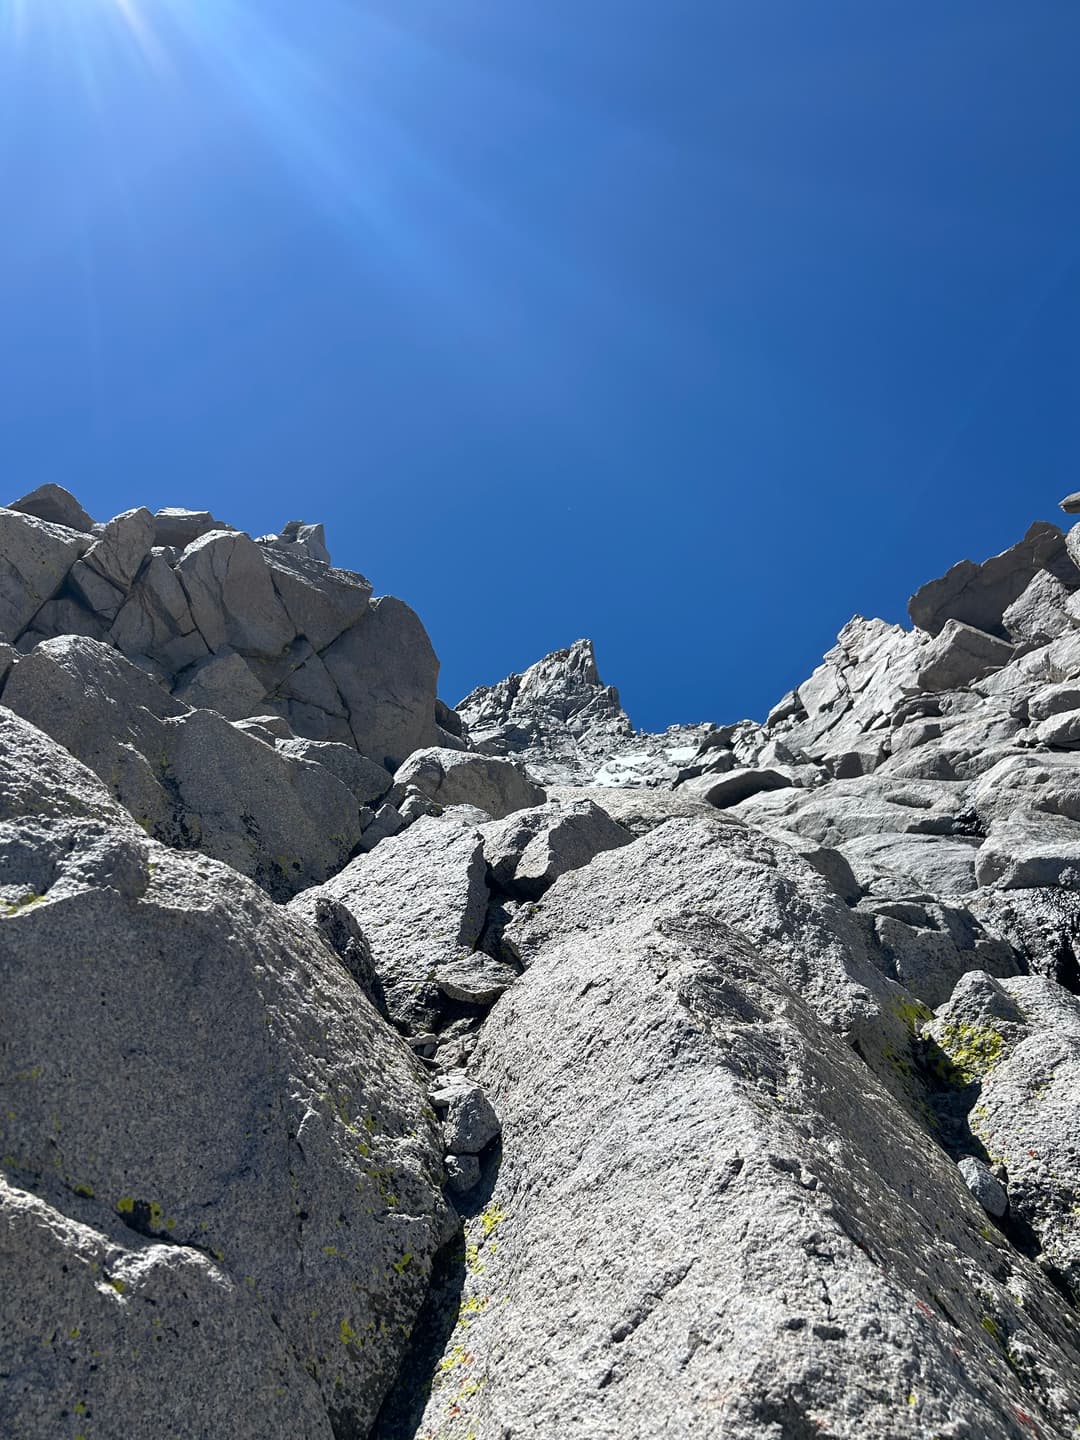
(748,1052)
(248,627)
(569,728)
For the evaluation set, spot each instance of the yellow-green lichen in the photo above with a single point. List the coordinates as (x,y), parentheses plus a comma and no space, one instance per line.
(965,1053)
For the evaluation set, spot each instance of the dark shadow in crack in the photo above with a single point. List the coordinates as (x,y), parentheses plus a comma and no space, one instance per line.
(403,1409)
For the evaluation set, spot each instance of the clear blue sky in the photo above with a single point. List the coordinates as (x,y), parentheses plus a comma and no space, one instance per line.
(692,325)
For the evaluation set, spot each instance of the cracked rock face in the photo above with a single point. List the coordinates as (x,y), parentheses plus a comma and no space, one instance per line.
(714,1244)
(202,1114)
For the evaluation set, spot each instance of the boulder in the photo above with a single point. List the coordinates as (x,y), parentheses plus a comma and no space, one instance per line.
(868,805)
(1044,781)
(223,682)
(471,1123)
(1053,700)
(1071,504)
(156,620)
(188,776)
(62,616)
(299,538)
(710,1221)
(321,602)
(421,899)
(221,1187)
(1029,848)
(979,595)
(460,777)
(56,505)
(1061,731)
(177,528)
(530,850)
(735,786)
(106,572)
(1042,926)
(475,979)
(958,655)
(1040,614)
(928,947)
(385,672)
(35,557)
(901,865)
(984,1185)
(386,821)
(367,781)
(231,594)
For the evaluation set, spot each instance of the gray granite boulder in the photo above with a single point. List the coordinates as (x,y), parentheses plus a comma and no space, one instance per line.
(156,620)
(57,505)
(35,557)
(221,1180)
(1030,848)
(735,786)
(385,672)
(177,528)
(367,781)
(900,865)
(105,573)
(528,851)
(959,655)
(224,682)
(1040,614)
(928,947)
(321,602)
(461,777)
(421,899)
(231,593)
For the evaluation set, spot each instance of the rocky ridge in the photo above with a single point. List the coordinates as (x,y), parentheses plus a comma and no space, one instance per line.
(372,1068)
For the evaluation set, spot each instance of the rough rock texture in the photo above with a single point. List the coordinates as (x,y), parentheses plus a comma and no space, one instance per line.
(528,852)
(460,777)
(714,1245)
(421,899)
(189,777)
(743,878)
(35,557)
(220,1175)
(1016,1044)
(385,671)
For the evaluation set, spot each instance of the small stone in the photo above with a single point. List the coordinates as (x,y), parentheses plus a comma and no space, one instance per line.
(387,822)
(990,1193)
(462,1173)
(476,979)
(471,1122)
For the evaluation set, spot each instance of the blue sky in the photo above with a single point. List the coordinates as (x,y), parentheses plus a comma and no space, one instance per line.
(694,326)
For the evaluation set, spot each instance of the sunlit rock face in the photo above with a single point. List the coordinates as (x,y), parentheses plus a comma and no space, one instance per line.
(371,1068)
